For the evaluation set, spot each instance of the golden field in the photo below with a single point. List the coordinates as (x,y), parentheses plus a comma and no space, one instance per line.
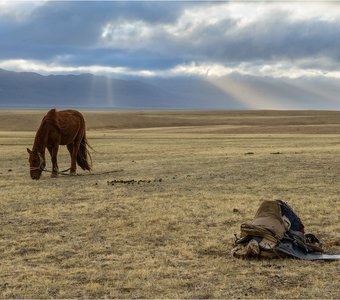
(201,175)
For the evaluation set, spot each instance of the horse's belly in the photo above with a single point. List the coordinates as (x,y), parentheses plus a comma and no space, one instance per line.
(69,138)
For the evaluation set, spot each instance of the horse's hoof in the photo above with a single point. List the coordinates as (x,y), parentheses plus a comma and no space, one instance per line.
(54,175)
(73,173)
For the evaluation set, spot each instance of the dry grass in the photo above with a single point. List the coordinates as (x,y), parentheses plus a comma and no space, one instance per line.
(81,237)
(327,122)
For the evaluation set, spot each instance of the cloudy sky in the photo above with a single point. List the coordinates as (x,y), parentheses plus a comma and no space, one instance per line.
(277,41)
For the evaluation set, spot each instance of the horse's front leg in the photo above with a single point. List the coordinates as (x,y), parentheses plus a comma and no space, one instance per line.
(54,152)
(73,153)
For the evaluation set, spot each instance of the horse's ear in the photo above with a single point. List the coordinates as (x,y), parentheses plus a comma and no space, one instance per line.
(29,151)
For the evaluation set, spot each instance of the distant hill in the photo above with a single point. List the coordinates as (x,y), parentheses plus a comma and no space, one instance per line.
(26,89)
(232,92)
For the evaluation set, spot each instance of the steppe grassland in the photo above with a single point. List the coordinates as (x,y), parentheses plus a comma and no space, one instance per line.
(82,237)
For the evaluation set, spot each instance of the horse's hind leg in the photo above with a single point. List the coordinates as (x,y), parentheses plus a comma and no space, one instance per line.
(71,149)
(54,152)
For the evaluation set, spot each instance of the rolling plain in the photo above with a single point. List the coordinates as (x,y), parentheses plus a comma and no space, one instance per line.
(163,224)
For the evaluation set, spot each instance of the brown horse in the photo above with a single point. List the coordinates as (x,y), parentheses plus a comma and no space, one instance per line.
(59,128)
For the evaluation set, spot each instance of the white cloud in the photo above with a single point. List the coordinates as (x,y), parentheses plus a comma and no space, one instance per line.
(311,10)
(19,10)
(126,34)
(282,69)
(21,65)
(196,69)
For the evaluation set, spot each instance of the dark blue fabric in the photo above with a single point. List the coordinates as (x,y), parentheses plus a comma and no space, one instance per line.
(295,221)
(257,238)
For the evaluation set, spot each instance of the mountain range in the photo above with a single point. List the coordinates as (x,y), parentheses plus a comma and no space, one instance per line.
(233,92)
(27,89)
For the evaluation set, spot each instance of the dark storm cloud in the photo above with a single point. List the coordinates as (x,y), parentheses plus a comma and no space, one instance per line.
(80,23)
(269,39)
(57,26)
(176,33)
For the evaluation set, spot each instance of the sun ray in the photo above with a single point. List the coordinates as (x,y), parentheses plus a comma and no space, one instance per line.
(109,92)
(249,95)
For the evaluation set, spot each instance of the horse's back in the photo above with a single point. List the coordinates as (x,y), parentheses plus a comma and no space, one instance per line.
(70,123)
(71,119)
(70,114)
(64,117)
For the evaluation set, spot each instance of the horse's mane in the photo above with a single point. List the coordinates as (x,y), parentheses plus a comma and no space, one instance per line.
(51,119)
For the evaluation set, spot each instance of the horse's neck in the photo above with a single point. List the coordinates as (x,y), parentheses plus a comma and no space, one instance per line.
(41,137)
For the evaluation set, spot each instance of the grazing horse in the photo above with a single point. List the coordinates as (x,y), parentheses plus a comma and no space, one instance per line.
(59,128)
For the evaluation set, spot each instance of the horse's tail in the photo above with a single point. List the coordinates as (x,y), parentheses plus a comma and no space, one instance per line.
(84,159)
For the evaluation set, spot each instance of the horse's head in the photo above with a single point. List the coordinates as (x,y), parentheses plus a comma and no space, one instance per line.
(37,163)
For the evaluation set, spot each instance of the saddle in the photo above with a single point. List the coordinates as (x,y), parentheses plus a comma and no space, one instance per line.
(277,232)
